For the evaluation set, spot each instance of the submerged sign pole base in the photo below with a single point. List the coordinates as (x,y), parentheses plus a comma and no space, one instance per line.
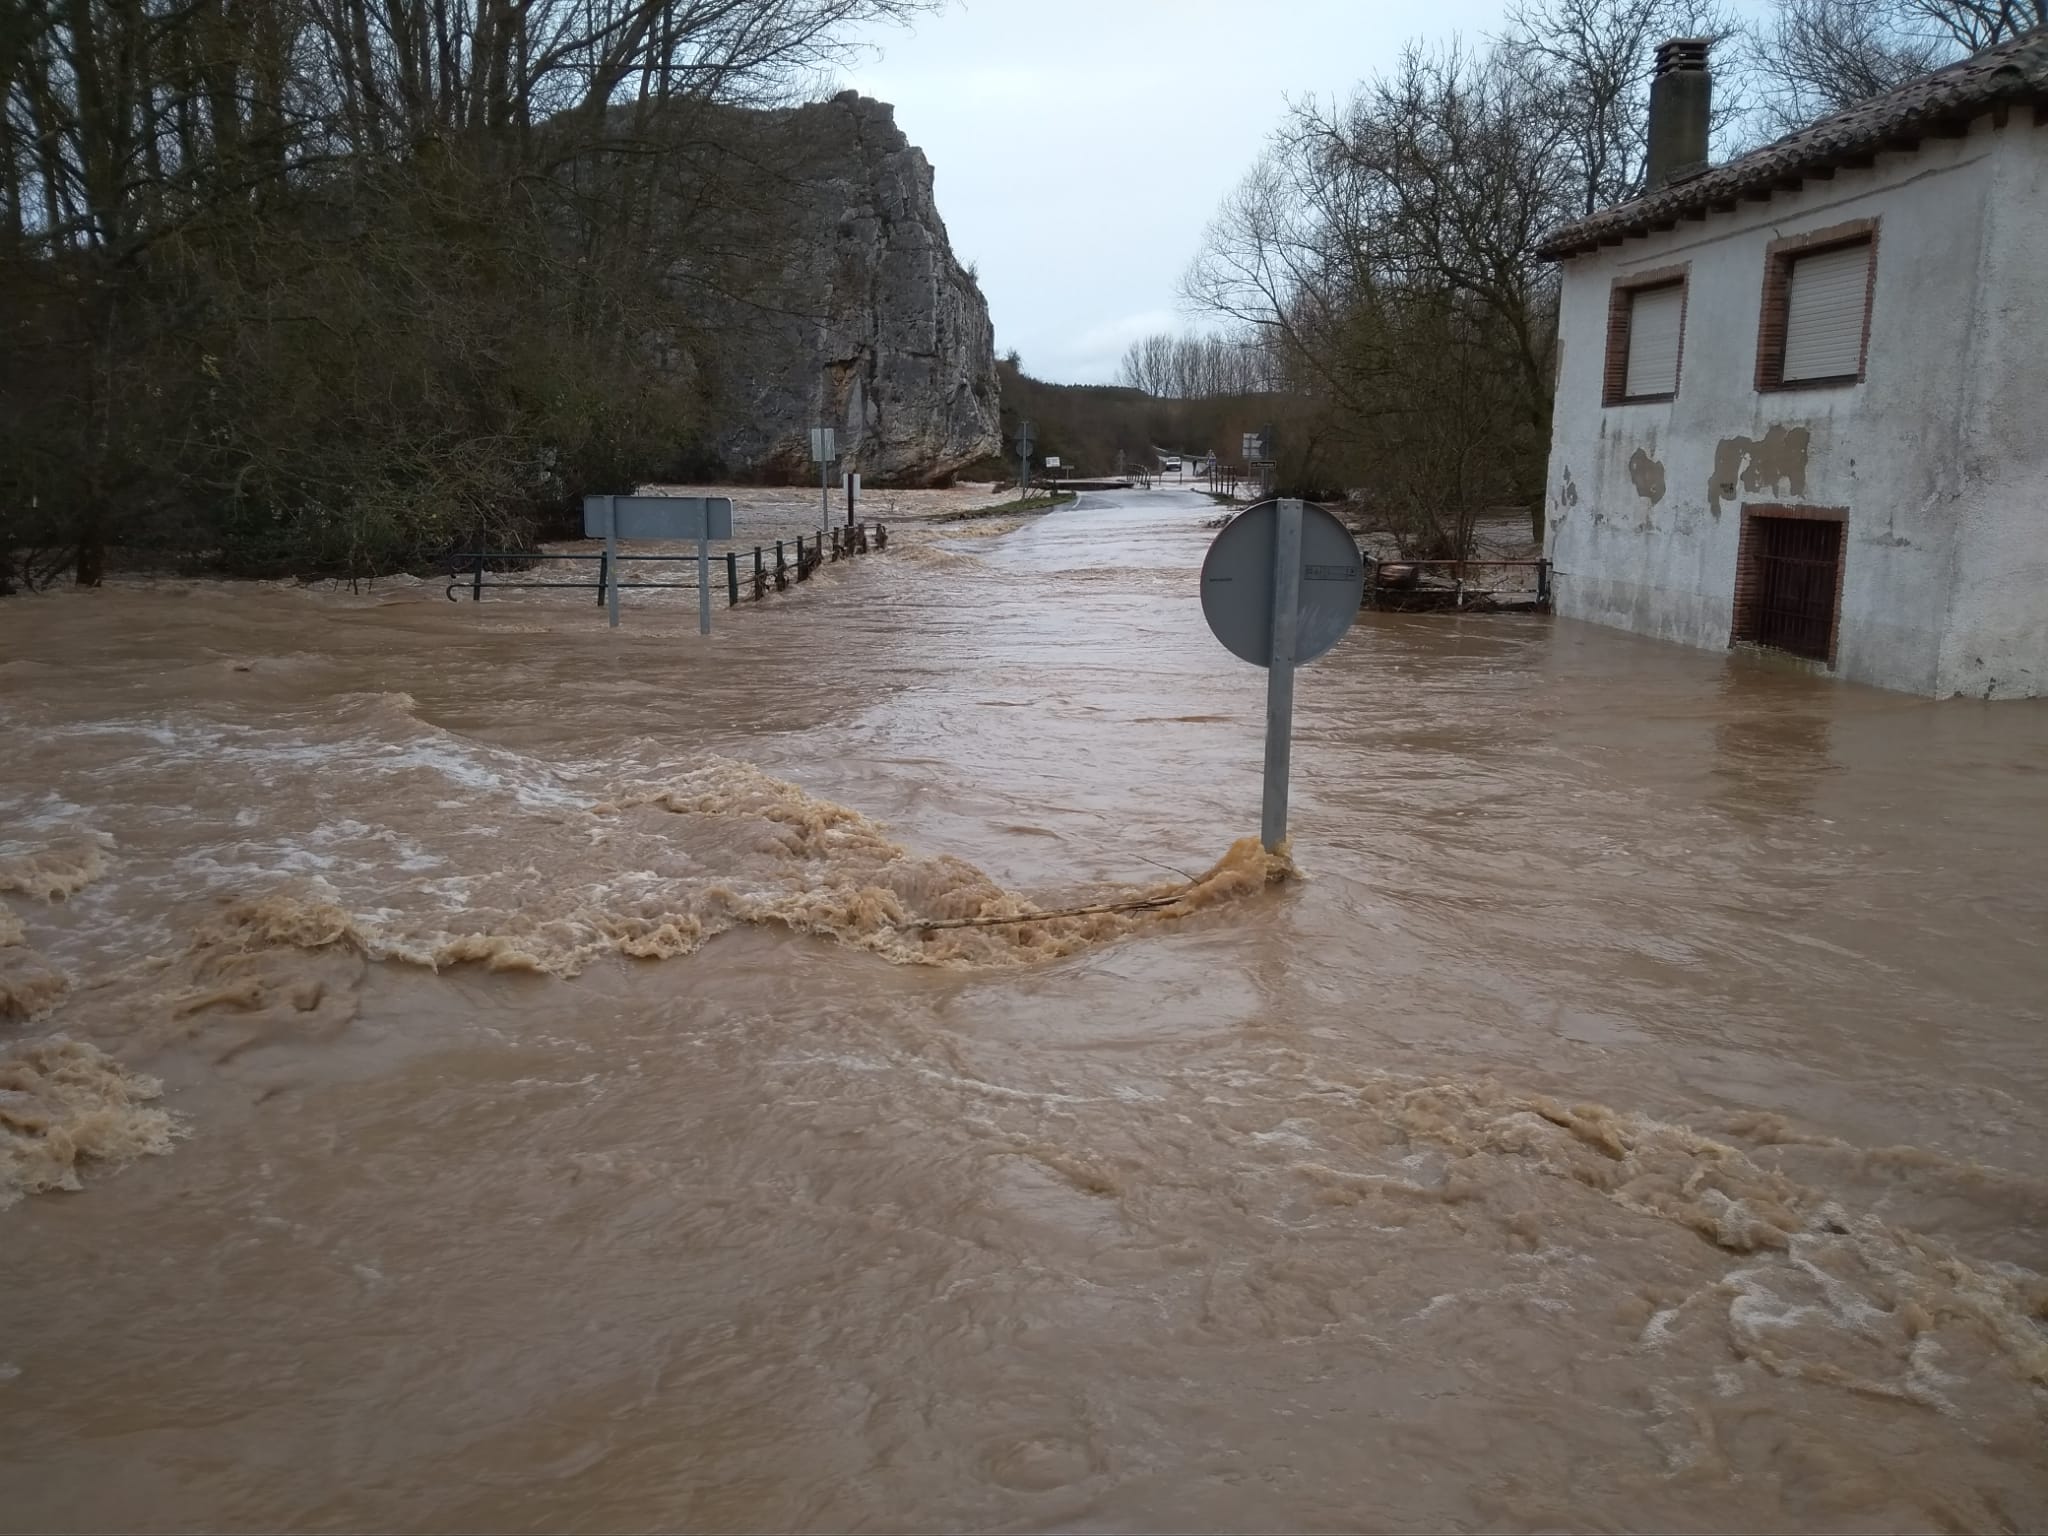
(1281,584)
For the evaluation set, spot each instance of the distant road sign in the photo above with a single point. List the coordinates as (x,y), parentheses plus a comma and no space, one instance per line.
(1052,461)
(1027,437)
(1237,583)
(824,445)
(659,517)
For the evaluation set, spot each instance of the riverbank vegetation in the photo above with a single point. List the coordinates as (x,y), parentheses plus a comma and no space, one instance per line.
(331,287)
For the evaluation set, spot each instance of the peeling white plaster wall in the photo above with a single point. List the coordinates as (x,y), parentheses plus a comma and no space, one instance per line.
(1940,455)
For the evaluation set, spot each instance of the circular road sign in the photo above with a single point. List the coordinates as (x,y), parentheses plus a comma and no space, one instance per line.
(1237,583)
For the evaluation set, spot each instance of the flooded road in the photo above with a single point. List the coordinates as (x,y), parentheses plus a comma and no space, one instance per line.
(594,1094)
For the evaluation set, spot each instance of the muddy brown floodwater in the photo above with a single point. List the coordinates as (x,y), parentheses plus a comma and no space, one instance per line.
(584,1103)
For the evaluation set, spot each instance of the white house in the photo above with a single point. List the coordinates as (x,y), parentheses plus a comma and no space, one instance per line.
(1802,397)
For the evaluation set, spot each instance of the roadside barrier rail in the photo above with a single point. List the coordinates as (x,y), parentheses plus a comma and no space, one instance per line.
(482,570)
(1412,586)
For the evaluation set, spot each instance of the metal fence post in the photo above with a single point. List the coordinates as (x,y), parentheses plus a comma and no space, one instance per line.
(732,578)
(604,569)
(476,586)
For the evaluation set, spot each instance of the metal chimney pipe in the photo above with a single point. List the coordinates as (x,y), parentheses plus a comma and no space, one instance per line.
(1681,103)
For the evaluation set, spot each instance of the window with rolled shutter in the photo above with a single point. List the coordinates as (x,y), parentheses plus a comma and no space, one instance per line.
(1826,299)
(1655,322)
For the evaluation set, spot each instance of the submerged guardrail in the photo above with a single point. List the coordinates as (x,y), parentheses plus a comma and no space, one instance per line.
(475,571)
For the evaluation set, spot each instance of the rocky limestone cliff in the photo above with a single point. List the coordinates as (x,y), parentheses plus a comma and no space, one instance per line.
(875,327)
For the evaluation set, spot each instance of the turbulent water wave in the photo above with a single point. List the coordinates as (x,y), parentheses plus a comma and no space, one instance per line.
(1824,1292)
(29,984)
(55,872)
(66,1105)
(648,872)
(661,869)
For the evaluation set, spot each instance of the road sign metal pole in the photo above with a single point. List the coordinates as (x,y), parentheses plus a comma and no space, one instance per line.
(1280,673)
(704,586)
(611,553)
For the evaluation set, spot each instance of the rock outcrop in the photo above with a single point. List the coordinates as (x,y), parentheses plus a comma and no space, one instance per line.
(874,329)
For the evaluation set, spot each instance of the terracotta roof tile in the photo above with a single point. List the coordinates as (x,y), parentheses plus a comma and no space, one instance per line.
(2015,70)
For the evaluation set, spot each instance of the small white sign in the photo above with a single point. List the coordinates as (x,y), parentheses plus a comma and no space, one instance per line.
(1052,461)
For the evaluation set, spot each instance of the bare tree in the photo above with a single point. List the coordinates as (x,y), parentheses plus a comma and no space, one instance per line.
(1386,249)
(1812,57)
(1194,367)
(1590,61)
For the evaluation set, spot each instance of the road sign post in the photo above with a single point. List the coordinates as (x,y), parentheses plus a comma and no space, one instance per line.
(611,555)
(702,518)
(1281,585)
(824,449)
(1027,439)
(703,580)
(1280,674)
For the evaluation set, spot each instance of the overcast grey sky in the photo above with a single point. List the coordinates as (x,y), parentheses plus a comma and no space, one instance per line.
(1131,117)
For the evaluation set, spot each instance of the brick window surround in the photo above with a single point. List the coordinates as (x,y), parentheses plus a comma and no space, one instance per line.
(1748,570)
(1770,331)
(1614,379)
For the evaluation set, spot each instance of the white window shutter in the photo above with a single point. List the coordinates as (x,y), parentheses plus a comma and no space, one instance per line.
(1824,314)
(1653,323)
